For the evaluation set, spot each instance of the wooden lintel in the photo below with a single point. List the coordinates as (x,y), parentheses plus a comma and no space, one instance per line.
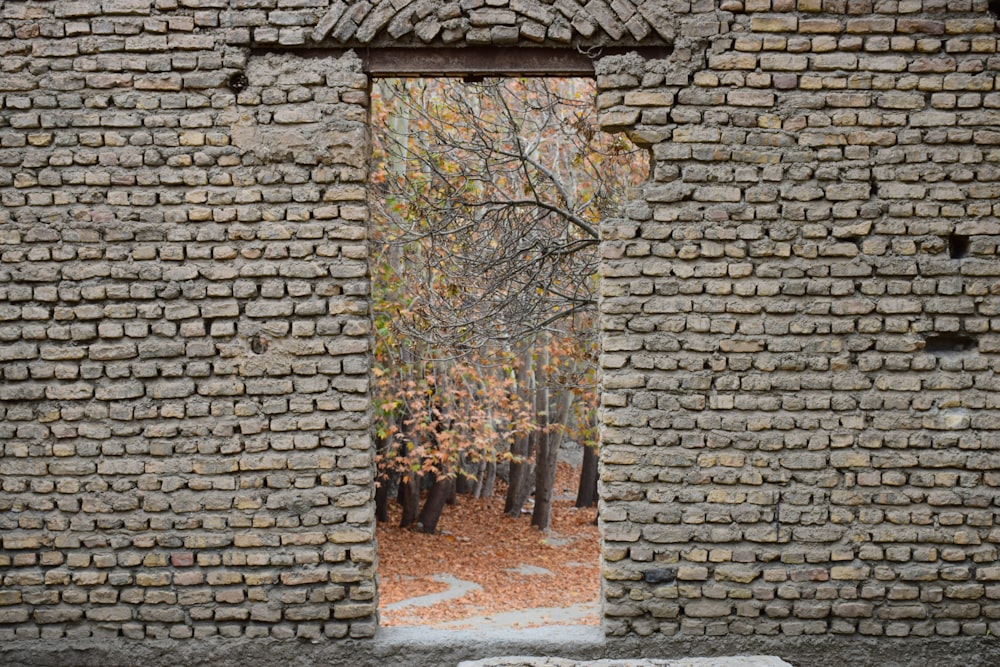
(475,62)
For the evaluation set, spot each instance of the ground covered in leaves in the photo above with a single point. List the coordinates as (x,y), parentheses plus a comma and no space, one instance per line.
(517,566)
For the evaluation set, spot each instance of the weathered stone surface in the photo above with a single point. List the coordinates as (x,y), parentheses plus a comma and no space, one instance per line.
(525,661)
(529,22)
(799,315)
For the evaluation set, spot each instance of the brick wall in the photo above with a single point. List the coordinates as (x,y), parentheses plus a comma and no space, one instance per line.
(800,327)
(184,338)
(800,315)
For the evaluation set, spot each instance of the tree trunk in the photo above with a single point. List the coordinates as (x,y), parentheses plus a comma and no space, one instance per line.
(438,496)
(521,482)
(545,465)
(545,470)
(545,475)
(463,484)
(489,479)
(514,475)
(521,470)
(477,488)
(586,495)
(382,498)
(409,499)
(384,478)
(408,495)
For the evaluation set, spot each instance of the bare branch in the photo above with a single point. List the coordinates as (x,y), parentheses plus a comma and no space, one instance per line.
(493,196)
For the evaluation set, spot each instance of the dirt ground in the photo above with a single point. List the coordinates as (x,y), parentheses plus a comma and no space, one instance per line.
(517,567)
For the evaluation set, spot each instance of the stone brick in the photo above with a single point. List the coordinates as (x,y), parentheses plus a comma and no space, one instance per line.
(797,318)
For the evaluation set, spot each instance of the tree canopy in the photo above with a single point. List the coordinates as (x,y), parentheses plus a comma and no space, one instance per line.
(486,235)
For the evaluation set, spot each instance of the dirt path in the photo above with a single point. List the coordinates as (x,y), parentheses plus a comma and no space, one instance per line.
(486,569)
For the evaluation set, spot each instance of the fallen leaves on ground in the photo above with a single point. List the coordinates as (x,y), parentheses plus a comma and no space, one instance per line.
(478,543)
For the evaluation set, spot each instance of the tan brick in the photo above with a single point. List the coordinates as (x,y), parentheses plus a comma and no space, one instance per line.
(773,23)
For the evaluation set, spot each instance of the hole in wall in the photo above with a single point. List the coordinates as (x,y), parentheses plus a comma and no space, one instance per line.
(994,7)
(238,82)
(949,343)
(958,246)
(481,556)
(258,344)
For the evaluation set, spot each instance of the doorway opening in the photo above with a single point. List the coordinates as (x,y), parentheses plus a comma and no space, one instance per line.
(487,197)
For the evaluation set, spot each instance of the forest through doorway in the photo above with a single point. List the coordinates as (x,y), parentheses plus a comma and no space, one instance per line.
(488,199)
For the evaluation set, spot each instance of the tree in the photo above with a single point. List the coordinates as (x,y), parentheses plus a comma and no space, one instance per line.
(486,241)
(438,419)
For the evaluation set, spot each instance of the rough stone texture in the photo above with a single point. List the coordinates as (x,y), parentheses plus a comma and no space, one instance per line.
(478,23)
(733,661)
(406,647)
(800,317)
(185,344)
